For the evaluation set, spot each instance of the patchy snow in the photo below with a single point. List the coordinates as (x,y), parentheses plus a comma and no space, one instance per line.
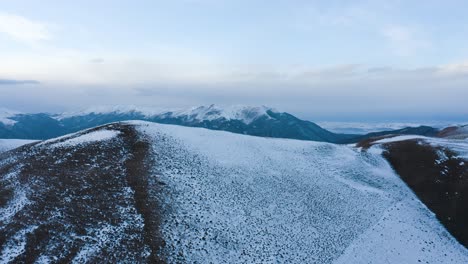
(15,246)
(399,138)
(240,199)
(460,147)
(8,144)
(19,198)
(456,145)
(18,202)
(100,135)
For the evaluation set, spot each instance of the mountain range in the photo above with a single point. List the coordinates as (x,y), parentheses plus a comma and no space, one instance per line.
(256,121)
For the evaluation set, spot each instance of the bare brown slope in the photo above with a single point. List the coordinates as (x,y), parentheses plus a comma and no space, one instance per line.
(87,203)
(440,183)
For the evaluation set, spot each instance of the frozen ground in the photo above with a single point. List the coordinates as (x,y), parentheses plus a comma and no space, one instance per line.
(230,198)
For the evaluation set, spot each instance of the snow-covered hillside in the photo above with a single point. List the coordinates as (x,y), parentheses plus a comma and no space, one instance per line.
(239,199)
(141,192)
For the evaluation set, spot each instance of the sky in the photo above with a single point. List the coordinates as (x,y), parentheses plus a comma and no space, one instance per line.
(324,60)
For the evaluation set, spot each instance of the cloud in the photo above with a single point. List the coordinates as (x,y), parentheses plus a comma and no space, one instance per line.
(97,60)
(405,41)
(23,29)
(455,69)
(17,82)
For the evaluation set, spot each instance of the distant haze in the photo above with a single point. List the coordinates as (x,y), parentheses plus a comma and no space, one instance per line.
(321,60)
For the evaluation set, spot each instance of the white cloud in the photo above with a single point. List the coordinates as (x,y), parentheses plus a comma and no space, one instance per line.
(454,69)
(23,29)
(405,41)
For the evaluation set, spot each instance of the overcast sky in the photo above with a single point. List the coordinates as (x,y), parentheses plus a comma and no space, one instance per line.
(318,59)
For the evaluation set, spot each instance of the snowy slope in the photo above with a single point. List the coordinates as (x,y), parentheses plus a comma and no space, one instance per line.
(7,144)
(231,198)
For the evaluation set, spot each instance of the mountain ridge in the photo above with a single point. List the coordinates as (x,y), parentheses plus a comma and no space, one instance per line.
(186,195)
(251,120)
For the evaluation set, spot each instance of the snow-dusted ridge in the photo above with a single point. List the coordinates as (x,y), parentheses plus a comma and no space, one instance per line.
(231,198)
(456,145)
(246,114)
(100,135)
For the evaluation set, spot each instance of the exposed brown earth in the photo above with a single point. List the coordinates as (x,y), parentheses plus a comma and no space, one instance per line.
(454,132)
(447,131)
(81,203)
(438,177)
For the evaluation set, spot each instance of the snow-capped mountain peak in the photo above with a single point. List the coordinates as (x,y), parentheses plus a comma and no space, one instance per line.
(246,114)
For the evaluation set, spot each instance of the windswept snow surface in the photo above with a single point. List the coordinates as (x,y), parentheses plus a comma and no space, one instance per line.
(100,135)
(8,144)
(231,198)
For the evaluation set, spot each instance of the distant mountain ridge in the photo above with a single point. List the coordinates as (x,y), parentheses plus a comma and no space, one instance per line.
(250,120)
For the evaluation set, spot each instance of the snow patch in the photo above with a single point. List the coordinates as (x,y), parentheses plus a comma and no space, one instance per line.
(8,144)
(399,138)
(456,145)
(100,135)
(16,245)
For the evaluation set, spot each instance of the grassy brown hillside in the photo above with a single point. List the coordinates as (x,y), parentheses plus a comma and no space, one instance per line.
(438,177)
(84,203)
